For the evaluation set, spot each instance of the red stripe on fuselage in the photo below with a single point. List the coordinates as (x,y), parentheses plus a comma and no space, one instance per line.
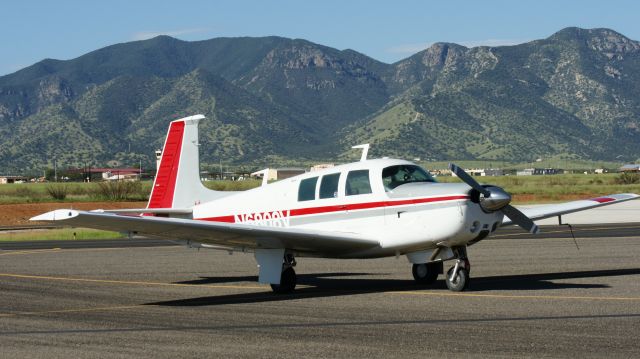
(343,207)
(165,183)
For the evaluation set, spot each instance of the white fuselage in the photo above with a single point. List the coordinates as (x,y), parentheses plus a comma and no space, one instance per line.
(408,218)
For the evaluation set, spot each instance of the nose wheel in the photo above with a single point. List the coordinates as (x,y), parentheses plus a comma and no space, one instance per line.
(457,278)
(457,281)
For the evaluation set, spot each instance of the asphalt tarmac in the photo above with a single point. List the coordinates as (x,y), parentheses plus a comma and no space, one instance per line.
(529,297)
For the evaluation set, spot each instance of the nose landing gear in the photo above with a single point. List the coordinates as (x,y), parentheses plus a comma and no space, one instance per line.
(457,278)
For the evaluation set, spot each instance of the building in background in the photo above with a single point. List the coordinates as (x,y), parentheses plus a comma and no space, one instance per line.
(276,174)
(539,171)
(634,168)
(108,174)
(12,179)
(482,172)
(321,166)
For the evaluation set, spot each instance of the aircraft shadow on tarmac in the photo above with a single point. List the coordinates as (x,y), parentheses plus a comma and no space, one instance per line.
(544,280)
(326,285)
(215,280)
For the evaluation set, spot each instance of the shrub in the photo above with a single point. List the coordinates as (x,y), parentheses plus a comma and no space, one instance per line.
(25,192)
(120,190)
(628,178)
(58,191)
(232,185)
(78,189)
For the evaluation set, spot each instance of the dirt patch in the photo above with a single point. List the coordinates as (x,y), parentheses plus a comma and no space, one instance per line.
(19,214)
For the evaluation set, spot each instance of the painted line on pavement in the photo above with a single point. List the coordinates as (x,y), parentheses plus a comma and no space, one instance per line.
(78,310)
(109,281)
(21,252)
(506,296)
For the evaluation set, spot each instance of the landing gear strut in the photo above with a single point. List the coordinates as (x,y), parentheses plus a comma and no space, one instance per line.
(457,278)
(288,278)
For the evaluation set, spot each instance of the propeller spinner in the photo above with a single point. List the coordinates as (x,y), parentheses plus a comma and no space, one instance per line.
(494,198)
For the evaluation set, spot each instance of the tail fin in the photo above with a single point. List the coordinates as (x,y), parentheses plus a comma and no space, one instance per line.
(177,183)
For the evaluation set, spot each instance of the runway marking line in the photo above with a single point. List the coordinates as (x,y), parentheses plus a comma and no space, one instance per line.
(109,281)
(79,310)
(562,231)
(505,296)
(13,253)
(9,252)
(110,249)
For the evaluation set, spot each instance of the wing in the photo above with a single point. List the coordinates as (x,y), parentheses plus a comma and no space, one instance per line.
(552,210)
(224,234)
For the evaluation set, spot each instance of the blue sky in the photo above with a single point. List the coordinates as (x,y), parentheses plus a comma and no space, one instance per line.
(385,30)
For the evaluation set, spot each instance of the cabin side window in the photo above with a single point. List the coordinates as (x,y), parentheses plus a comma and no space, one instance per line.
(329,186)
(307,189)
(358,183)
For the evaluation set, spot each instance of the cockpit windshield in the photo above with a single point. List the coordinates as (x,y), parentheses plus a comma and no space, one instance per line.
(394,176)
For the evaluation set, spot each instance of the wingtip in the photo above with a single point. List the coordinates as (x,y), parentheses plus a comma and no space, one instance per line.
(56,215)
(618,197)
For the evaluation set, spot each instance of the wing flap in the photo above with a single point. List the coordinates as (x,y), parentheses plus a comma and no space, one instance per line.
(147,210)
(553,210)
(216,233)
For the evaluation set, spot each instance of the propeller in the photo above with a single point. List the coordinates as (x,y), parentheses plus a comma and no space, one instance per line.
(494,198)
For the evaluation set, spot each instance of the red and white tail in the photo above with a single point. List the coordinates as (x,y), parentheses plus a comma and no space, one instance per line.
(177,183)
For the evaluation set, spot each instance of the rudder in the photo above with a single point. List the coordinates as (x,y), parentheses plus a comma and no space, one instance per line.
(177,183)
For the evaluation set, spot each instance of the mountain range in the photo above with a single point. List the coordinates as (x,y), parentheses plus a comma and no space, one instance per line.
(273,100)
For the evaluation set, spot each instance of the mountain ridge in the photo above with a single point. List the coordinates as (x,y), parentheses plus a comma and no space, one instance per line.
(574,94)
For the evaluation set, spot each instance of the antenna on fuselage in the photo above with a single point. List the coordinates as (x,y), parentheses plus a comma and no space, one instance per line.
(365,151)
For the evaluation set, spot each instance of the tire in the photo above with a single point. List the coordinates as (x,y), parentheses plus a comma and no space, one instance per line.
(425,273)
(460,283)
(288,282)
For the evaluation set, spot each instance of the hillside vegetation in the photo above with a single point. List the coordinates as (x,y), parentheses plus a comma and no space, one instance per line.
(574,95)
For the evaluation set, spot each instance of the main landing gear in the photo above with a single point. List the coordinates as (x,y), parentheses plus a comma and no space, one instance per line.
(426,273)
(457,277)
(288,278)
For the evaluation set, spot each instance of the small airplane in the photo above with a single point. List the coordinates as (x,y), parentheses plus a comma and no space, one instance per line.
(367,209)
